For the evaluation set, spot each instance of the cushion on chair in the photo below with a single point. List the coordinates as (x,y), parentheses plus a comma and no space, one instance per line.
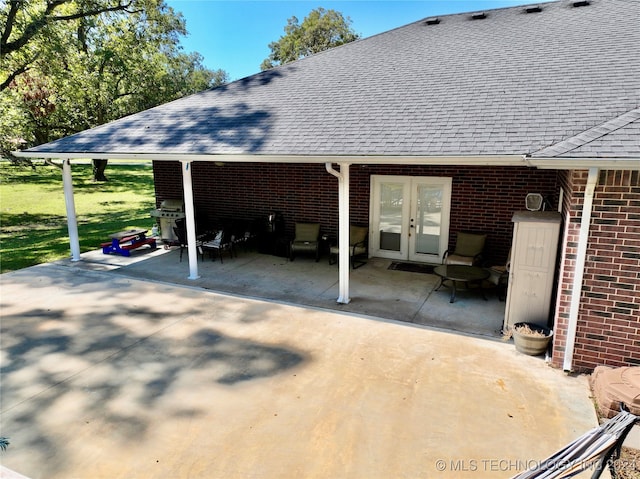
(357,234)
(468,244)
(304,246)
(458,259)
(497,274)
(357,239)
(307,232)
(358,250)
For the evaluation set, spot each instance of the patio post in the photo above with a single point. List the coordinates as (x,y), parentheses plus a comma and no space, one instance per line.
(189,212)
(343,229)
(578,273)
(72,222)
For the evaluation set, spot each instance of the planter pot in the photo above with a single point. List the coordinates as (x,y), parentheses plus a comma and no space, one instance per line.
(533,345)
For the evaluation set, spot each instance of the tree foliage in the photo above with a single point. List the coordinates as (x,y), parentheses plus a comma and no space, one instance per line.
(69,65)
(320,30)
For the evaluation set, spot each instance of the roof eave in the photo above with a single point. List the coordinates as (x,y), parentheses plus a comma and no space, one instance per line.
(460,160)
(552,163)
(549,163)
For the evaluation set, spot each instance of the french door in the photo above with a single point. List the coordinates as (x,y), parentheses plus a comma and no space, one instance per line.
(410,217)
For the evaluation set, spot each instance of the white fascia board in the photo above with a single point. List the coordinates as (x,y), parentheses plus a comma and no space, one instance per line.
(585,163)
(494,160)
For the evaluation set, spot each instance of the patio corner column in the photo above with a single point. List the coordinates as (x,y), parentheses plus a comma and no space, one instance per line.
(578,272)
(69,200)
(189,212)
(343,229)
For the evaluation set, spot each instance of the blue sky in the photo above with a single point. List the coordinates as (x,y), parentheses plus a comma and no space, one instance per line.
(234,34)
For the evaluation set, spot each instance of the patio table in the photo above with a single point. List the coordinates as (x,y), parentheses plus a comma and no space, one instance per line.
(462,273)
(123,242)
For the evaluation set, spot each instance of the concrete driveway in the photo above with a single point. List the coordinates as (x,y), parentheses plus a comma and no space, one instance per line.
(105,376)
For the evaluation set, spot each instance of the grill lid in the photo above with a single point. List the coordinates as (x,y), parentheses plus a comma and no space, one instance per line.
(172,205)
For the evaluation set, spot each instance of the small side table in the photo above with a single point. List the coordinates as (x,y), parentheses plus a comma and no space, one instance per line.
(462,273)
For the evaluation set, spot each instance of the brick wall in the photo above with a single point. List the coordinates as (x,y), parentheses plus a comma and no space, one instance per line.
(483,198)
(608,330)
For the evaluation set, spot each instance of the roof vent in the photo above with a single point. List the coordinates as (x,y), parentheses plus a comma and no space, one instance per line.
(432,21)
(478,16)
(533,9)
(581,3)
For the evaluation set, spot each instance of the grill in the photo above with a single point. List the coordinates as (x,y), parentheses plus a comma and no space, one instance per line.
(168,213)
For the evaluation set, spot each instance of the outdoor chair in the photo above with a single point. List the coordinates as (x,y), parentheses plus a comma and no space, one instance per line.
(591,451)
(499,276)
(223,240)
(358,236)
(305,240)
(244,234)
(180,230)
(468,250)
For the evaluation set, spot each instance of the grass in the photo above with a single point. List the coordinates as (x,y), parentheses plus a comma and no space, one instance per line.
(33,219)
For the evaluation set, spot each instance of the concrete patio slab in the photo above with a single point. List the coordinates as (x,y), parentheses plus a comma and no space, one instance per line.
(374,289)
(108,376)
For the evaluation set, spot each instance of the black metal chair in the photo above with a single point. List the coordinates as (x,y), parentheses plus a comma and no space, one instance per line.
(223,240)
(180,230)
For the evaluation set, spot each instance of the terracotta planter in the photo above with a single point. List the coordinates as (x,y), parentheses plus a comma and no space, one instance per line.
(533,345)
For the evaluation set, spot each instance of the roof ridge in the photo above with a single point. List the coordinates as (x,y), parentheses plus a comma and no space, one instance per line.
(587,136)
(362,39)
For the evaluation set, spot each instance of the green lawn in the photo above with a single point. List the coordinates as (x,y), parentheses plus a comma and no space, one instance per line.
(33,221)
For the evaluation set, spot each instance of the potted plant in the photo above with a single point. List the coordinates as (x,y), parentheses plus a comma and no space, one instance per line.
(531,339)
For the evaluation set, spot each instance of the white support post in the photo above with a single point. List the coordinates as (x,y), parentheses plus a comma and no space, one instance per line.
(578,273)
(72,221)
(343,226)
(189,211)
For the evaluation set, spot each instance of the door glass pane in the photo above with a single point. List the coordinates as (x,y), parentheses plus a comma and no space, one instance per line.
(428,219)
(391,202)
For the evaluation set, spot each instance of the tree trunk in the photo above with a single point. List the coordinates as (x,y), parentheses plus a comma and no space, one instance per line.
(98,170)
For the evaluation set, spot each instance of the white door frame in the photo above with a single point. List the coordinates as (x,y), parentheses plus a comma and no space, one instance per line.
(404,233)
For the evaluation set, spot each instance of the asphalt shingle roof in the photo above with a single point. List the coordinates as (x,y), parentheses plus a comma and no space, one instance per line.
(614,138)
(561,82)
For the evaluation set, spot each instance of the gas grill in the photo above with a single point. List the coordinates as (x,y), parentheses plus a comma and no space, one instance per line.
(169,211)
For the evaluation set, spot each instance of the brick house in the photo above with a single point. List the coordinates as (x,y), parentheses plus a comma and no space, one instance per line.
(473,110)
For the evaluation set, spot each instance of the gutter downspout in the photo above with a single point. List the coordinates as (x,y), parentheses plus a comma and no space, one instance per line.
(72,221)
(576,288)
(189,212)
(343,228)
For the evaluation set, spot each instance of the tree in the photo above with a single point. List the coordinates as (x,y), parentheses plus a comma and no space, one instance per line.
(320,30)
(25,20)
(66,72)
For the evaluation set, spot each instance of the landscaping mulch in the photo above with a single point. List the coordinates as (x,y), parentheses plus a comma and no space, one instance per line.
(627,466)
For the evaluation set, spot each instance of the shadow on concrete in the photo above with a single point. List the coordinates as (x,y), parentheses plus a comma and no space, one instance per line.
(103,357)
(111,376)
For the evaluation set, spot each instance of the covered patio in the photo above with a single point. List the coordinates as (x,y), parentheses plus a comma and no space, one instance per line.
(376,290)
